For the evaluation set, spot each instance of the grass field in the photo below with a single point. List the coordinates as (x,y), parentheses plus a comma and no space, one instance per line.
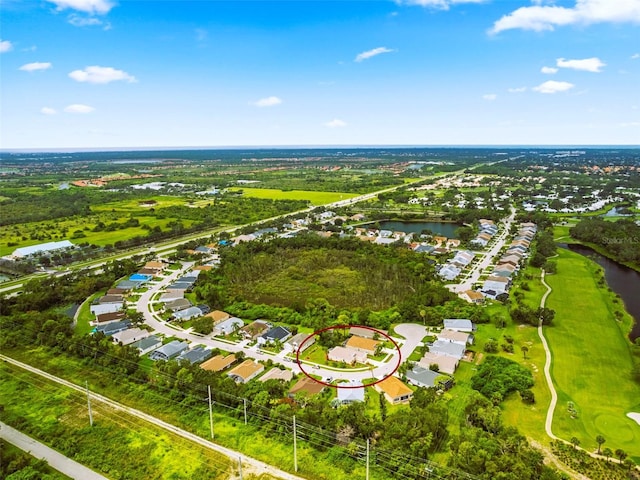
(591,359)
(316,198)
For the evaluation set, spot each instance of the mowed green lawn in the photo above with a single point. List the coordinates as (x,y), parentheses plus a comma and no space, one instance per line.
(591,360)
(316,198)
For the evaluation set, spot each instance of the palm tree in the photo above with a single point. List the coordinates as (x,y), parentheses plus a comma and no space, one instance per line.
(621,454)
(600,440)
(524,349)
(629,463)
(607,452)
(575,441)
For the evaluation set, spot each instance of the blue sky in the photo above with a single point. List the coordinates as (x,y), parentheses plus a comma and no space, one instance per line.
(105,74)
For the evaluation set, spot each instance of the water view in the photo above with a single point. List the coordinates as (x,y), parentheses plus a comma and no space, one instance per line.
(438,228)
(623,280)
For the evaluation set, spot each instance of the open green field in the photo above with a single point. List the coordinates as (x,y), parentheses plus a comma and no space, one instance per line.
(591,359)
(64,230)
(316,198)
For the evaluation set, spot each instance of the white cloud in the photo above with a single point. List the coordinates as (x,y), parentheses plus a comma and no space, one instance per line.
(336,123)
(93,7)
(47,111)
(441,4)
(32,67)
(80,21)
(268,102)
(517,90)
(549,70)
(78,108)
(593,64)
(551,86)
(372,53)
(490,96)
(635,56)
(630,124)
(5,46)
(584,12)
(97,74)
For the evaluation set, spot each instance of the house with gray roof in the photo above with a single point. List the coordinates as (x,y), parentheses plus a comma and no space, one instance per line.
(169,351)
(275,334)
(187,314)
(147,344)
(195,355)
(422,377)
(127,337)
(112,327)
(177,305)
(443,347)
(106,308)
(294,342)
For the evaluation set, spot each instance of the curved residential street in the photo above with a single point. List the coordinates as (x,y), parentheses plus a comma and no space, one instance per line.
(413,334)
(55,459)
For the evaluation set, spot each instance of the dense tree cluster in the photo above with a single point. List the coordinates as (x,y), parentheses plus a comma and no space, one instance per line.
(499,376)
(620,239)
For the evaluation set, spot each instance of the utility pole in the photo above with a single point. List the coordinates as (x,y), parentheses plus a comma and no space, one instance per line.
(295,447)
(210,411)
(86,384)
(240,466)
(367,476)
(244,401)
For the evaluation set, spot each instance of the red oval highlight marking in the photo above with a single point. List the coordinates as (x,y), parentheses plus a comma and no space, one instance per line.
(381,333)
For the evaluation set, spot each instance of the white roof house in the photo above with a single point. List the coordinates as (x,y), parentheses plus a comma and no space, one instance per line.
(450,349)
(459,324)
(346,355)
(106,308)
(354,392)
(228,326)
(127,337)
(41,248)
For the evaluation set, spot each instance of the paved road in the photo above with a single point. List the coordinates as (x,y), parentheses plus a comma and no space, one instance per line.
(487,260)
(63,464)
(255,466)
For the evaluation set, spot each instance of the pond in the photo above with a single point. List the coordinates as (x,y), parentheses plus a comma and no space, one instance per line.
(438,228)
(623,280)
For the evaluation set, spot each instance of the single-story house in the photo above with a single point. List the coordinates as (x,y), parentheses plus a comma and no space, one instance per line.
(365,345)
(128,285)
(187,314)
(228,326)
(116,291)
(306,386)
(127,337)
(384,240)
(112,327)
(350,392)
(169,351)
(424,249)
(177,305)
(147,271)
(422,377)
(246,371)
(394,390)
(463,338)
(449,272)
(443,347)
(218,363)
(153,265)
(218,316)
(109,317)
(147,344)
(346,355)
(459,324)
(277,374)
(254,329)
(363,332)
(180,286)
(195,355)
(445,364)
(106,308)
(498,287)
(275,334)
(171,295)
(294,342)
(472,296)
(107,299)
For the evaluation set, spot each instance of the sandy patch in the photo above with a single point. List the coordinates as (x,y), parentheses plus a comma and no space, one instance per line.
(634,416)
